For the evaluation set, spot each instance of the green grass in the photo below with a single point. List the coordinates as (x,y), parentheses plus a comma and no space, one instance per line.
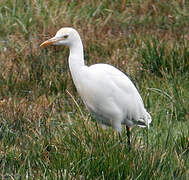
(45,130)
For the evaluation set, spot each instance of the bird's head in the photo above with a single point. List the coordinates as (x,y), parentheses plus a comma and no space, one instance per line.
(64,36)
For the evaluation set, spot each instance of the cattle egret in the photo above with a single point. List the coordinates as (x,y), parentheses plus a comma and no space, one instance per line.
(109,95)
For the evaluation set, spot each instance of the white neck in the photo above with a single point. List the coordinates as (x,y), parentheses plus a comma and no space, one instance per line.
(76,59)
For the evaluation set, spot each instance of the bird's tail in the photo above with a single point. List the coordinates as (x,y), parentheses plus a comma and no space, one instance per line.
(145,121)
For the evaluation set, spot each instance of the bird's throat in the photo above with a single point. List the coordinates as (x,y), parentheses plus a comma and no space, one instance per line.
(76,60)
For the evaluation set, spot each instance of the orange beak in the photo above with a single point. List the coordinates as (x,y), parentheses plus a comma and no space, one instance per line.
(49,42)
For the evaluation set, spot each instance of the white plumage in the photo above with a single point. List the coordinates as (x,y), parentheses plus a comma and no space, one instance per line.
(110,96)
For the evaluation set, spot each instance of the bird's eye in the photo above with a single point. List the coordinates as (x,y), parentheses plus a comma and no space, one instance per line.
(65,36)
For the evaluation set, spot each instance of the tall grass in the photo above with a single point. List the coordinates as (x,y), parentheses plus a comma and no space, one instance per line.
(45,130)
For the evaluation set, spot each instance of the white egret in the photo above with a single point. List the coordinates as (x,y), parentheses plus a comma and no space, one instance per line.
(109,95)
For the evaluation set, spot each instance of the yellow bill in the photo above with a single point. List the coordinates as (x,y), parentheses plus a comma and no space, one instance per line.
(49,42)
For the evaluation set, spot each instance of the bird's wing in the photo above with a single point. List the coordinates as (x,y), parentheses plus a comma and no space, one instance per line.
(119,78)
(125,94)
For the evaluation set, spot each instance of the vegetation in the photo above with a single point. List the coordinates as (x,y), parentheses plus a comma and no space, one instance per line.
(45,130)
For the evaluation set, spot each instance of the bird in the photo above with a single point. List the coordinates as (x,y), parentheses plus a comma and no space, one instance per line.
(109,95)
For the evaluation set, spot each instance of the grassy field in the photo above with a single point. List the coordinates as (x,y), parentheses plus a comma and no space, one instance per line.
(45,130)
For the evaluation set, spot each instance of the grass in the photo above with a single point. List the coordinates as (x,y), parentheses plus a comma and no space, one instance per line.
(45,130)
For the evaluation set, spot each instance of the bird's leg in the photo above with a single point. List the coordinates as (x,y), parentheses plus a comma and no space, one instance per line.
(120,138)
(128,135)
